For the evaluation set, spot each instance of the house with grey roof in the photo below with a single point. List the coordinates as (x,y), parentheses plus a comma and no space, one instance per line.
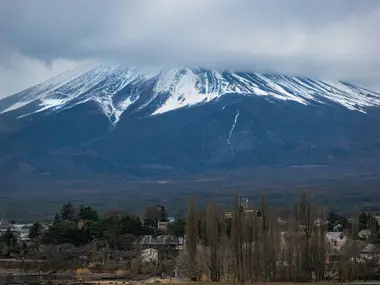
(365,234)
(336,240)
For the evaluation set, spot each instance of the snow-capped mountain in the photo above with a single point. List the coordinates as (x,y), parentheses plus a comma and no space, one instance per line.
(116,90)
(110,120)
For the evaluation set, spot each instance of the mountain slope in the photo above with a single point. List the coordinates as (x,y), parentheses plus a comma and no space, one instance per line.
(107,121)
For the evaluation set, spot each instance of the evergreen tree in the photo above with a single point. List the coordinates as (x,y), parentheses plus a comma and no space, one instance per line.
(88,213)
(9,238)
(68,212)
(177,228)
(35,231)
(57,218)
(336,222)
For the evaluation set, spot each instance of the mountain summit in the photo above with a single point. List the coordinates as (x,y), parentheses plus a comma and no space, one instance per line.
(113,121)
(155,91)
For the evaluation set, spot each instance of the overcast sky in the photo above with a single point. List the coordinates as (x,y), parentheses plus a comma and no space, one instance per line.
(326,39)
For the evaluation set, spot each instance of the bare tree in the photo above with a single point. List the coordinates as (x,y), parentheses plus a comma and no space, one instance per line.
(257,247)
(213,242)
(305,222)
(191,239)
(318,245)
(265,238)
(249,249)
(237,239)
(225,249)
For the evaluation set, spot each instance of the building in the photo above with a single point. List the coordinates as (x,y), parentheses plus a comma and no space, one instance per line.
(336,240)
(4,226)
(365,234)
(171,219)
(149,255)
(23,231)
(162,242)
(168,247)
(244,205)
(248,212)
(162,226)
(369,252)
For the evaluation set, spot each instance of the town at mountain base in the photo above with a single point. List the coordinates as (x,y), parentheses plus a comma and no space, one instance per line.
(244,243)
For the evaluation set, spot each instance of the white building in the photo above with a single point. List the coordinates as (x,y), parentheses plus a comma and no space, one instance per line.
(4,226)
(149,255)
(365,234)
(336,240)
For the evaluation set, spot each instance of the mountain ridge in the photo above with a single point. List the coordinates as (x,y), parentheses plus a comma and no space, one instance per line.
(116,90)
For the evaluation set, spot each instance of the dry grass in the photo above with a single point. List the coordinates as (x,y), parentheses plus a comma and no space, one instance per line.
(186,282)
(177,282)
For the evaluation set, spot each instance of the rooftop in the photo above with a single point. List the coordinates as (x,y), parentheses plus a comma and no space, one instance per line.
(161,240)
(334,235)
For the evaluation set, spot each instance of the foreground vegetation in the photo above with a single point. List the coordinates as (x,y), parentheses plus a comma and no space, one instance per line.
(260,245)
(247,244)
(79,236)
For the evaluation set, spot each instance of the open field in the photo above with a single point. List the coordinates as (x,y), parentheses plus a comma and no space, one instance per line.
(41,199)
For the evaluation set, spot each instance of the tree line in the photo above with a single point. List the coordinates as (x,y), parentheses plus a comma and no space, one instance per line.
(256,245)
(244,245)
(79,234)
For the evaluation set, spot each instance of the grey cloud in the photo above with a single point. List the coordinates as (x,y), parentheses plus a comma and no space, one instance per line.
(326,39)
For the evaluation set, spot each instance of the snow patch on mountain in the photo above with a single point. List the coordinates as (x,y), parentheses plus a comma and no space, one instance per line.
(115,89)
(16,106)
(183,87)
(233,127)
